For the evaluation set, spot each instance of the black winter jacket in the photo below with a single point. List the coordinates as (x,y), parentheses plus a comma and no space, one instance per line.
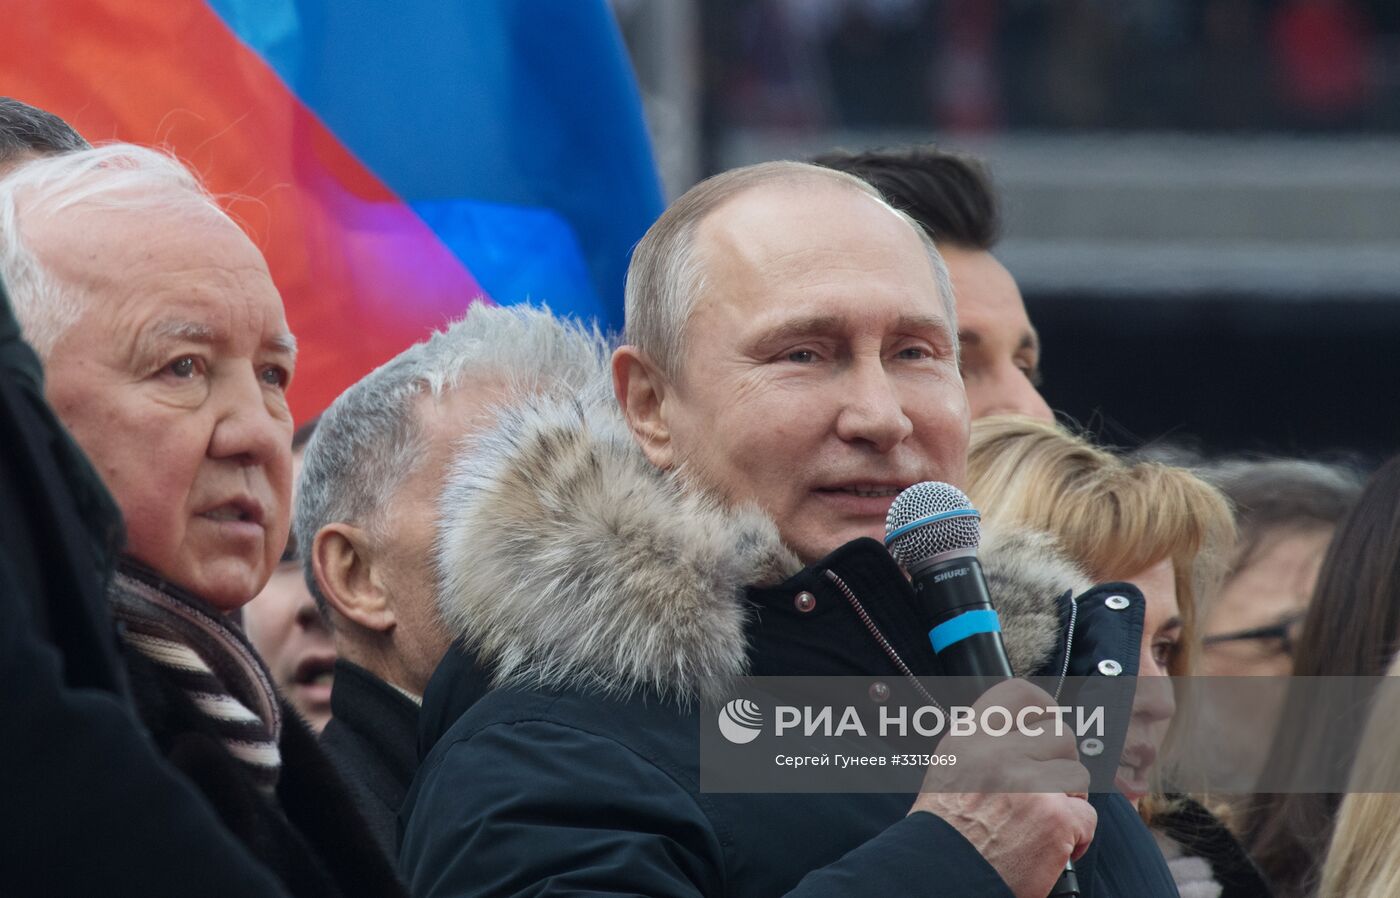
(593,598)
(98,799)
(90,807)
(312,836)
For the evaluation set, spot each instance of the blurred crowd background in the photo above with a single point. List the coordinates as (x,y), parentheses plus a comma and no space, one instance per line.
(1199,194)
(1012,65)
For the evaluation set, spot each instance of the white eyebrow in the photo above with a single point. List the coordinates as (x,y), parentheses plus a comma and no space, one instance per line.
(285,342)
(174,329)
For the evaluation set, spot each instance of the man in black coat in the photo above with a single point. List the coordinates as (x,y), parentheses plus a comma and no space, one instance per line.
(75,760)
(365,517)
(75,763)
(167,357)
(791,366)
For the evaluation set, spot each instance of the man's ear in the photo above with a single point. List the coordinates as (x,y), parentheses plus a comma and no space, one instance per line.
(640,388)
(342,559)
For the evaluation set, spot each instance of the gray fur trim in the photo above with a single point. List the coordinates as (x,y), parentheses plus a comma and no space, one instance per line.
(1026,571)
(567,560)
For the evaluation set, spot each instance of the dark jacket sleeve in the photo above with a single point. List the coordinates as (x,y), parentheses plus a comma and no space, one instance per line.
(90,808)
(535,808)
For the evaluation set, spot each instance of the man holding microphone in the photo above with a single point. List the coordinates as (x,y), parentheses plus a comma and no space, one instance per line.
(791,366)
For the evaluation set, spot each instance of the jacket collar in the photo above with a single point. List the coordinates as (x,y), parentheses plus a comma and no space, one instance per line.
(568,561)
(379,714)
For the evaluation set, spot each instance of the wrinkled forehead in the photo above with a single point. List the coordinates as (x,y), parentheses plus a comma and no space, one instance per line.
(184,271)
(96,234)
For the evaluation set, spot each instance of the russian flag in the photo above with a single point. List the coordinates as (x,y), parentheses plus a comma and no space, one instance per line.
(394,161)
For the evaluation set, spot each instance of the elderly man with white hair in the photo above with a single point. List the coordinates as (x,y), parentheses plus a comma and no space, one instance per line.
(168,358)
(366,509)
(791,365)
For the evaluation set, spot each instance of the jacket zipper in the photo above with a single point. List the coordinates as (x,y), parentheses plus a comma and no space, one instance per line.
(904,668)
(879,637)
(1069,643)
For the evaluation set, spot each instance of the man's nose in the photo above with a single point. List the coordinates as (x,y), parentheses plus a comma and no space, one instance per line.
(872,410)
(252,428)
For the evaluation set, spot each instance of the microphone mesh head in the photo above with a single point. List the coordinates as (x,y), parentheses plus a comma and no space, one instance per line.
(929,500)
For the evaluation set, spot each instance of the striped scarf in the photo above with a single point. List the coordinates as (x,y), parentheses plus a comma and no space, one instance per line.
(209,658)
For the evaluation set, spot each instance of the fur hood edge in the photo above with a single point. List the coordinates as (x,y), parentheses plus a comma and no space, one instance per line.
(567,560)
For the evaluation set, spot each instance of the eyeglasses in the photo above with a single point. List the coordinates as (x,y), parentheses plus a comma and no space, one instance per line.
(1283,634)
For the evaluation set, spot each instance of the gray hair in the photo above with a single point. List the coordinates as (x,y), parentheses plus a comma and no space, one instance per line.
(113,176)
(26,130)
(369,440)
(1280,493)
(667,274)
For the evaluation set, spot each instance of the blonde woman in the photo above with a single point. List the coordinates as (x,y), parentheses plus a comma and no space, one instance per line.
(1363,860)
(1160,528)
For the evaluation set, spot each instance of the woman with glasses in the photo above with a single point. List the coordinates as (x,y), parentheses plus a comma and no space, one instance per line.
(1352,629)
(1287,510)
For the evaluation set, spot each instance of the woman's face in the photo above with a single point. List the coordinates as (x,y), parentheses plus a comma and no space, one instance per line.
(1154,704)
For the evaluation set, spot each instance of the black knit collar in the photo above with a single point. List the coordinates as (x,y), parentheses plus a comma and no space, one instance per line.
(379,714)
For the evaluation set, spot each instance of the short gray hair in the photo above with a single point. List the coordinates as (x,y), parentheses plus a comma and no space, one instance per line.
(369,440)
(115,176)
(26,130)
(667,274)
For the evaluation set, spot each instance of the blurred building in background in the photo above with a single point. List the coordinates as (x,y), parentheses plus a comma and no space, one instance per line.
(1202,196)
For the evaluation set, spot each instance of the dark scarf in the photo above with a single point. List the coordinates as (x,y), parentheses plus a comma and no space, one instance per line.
(210,659)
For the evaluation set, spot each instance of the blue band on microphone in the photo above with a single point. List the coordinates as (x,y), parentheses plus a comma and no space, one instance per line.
(942,516)
(969,623)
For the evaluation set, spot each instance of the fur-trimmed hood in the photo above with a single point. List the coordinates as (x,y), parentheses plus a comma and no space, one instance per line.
(1026,572)
(567,559)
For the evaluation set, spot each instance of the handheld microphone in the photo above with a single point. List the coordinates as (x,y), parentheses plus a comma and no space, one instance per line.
(933,531)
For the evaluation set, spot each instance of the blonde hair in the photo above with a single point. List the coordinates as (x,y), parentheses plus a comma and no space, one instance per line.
(1363,860)
(1113,517)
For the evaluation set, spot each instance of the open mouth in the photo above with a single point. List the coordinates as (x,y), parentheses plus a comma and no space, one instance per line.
(315,673)
(240,510)
(228,513)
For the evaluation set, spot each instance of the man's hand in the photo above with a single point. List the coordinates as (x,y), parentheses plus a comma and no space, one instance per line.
(1026,835)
